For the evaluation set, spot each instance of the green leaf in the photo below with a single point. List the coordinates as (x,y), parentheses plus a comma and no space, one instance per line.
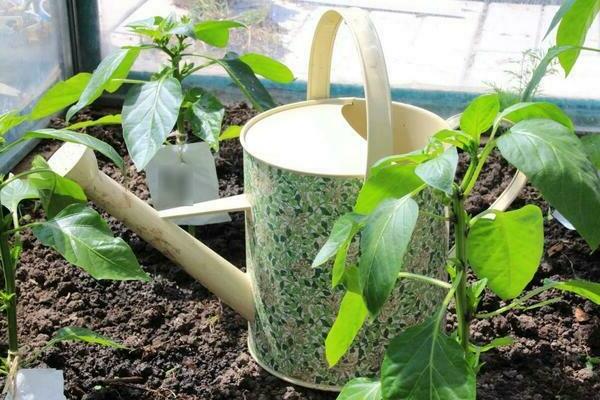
(479,115)
(474,291)
(232,132)
(565,6)
(585,289)
(384,241)
(105,77)
(206,116)
(215,33)
(455,138)
(554,160)
(17,191)
(494,344)
(77,334)
(361,389)
(573,29)
(543,110)
(66,135)
(423,363)
(150,112)
(439,171)
(54,191)
(386,182)
(9,120)
(244,78)
(268,68)
(84,239)
(350,319)
(507,249)
(591,145)
(540,70)
(59,96)
(343,230)
(105,120)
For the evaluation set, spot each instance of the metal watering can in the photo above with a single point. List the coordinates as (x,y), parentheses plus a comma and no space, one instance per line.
(304,164)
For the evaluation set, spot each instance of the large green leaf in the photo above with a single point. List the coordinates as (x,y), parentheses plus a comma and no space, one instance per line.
(66,135)
(268,67)
(422,363)
(506,249)
(15,192)
(585,289)
(350,319)
(573,29)
(77,334)
(105,120)
(215,33)
(59,96)
(479,114)
(386,182)
(361,389)
(554,160)
(9,120)
(55,191)
(149,113)
(206,116)
(384,241)
(537,110)
(591,145)
(244,78)
(106,77)
(439,171)
(84,239)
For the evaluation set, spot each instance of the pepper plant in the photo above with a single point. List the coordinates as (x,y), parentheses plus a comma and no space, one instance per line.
(502,249)
(70,227)
(153,108)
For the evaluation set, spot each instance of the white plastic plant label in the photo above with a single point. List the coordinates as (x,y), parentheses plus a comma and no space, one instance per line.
(181,175)
(38,384)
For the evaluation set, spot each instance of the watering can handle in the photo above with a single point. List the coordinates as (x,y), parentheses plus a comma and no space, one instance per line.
(380,139)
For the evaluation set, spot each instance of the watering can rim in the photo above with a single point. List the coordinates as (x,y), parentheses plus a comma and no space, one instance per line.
(310,103)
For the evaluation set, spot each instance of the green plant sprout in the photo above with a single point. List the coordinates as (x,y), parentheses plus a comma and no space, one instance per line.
(503,249)
(70,227)
(153,108)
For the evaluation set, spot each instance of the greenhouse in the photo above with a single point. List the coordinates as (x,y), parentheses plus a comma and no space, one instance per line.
(299,199)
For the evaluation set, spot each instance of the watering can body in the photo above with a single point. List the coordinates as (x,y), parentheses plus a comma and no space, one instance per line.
(304,165)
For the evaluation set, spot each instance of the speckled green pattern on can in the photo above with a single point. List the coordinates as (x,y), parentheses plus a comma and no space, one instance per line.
(292,215)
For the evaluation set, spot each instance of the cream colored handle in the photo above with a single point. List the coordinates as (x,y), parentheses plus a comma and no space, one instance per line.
(380,138)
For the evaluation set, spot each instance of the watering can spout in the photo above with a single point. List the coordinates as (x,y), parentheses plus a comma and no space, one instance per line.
(78,163)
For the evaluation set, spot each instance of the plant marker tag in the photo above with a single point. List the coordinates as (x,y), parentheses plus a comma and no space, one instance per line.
(181,175)
(38,384)
(563,221)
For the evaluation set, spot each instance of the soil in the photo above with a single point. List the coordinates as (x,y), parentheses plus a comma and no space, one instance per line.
(186,345)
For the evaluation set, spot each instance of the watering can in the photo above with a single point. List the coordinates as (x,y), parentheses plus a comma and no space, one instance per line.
(304,164)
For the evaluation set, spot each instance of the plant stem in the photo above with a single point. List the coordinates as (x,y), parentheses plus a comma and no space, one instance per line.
(516,303)
(460,233)
(10,288)
(424,278)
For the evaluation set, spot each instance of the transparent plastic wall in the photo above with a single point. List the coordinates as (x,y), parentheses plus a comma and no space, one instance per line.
(34,54)
(440,53)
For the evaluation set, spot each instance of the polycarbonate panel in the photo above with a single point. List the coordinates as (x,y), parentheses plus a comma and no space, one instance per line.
(34,54)
(439,52)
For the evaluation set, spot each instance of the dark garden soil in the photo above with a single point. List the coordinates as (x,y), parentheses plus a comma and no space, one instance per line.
(187,345)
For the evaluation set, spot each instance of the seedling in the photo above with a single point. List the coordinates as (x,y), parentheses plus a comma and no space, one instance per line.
(153,108)
(503,249)
(70,227)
